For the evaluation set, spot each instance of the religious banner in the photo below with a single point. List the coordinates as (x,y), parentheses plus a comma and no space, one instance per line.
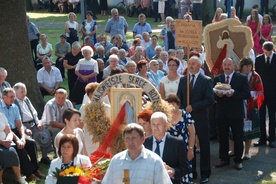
(227,38)
(188,33)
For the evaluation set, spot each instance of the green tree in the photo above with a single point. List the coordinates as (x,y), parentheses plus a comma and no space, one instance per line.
(15,49)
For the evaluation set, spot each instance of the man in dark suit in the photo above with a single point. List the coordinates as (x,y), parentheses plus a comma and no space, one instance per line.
(201,97)
(230,112)
(170,149)
(265,66)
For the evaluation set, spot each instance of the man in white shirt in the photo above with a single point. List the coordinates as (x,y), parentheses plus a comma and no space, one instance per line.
(143,165)
(48,77)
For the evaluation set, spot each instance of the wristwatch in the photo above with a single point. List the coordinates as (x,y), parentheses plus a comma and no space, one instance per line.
(191,147)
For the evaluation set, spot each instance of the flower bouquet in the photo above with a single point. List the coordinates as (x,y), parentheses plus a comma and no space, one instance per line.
(72,175)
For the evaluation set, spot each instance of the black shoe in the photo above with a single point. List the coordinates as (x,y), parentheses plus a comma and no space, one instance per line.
(238,166)
(222,164)
(272,145)
(204,180)
(45,160)
(259,143)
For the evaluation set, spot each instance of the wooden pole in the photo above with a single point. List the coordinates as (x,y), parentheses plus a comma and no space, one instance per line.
(126,179)
(188,76)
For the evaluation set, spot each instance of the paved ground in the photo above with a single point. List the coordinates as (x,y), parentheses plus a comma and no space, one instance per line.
(262,163)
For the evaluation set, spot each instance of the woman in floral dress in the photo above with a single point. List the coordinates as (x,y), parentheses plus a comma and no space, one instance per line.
(181,125)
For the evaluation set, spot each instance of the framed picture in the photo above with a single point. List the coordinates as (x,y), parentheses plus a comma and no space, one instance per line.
(119,96)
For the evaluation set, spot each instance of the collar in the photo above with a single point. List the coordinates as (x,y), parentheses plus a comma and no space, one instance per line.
(163,139)
(3,104)
(196,75)
(141,24)
(142,155)
(270,56)
(230,76)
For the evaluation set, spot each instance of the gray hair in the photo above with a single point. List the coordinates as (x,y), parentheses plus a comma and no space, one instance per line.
(169,18)
(76,44)
(159,115)
(114,56)
(138,36)
(197,58)
(122,50)
(19,85)
(153,61)
(158,47)
(88,48)
(114,9)
(114,48)
(130,62)
(3,70)
(100,47)
(138,48)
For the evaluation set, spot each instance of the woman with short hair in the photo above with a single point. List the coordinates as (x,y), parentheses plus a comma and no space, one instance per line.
(67,156)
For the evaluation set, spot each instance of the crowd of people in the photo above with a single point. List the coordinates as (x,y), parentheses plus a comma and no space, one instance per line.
(233,117)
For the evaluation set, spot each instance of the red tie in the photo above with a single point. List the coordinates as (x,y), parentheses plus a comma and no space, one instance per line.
(227,80)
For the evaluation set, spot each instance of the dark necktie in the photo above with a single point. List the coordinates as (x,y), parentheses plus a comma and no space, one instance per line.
(267,62)
(227,80)
(192,81)
(157,150)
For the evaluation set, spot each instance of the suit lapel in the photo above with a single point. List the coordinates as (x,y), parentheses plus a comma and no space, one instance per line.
(197,82)
(166,147)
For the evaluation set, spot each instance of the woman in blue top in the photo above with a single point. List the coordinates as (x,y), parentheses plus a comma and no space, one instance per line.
(89,27)
(150,51)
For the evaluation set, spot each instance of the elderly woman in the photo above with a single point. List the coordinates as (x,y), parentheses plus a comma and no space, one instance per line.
(131,67)
(70,62)
(7,151)
(144,121)
(155,72)
(68,156)
(142,67)
(138,54)
(158,49)
(136,42)
(87,71)
(62,48)
(43,49)
(89,27)
(150,51)
(169,83)
(113,59)
(253,104)
(71,28)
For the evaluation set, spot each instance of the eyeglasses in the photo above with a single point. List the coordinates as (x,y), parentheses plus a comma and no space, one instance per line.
(155,64)
(131,66)
(171,65)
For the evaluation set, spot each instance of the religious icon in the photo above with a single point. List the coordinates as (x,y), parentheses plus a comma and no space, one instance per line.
(131,96)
